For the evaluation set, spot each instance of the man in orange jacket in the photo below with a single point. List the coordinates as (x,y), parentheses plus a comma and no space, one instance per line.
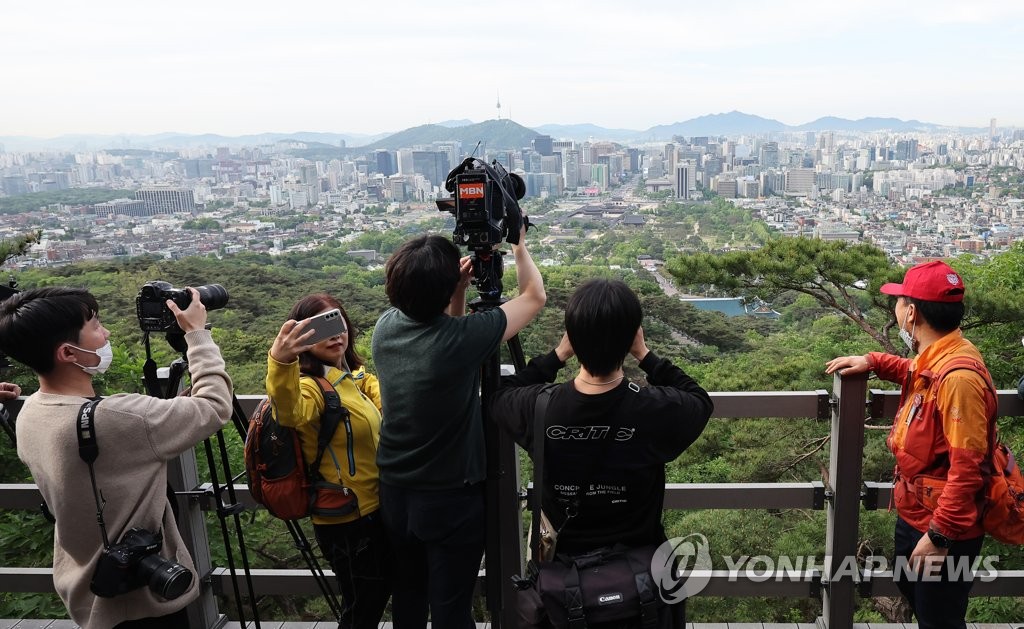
(941,441)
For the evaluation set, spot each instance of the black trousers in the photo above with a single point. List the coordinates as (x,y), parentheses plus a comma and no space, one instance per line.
(439,536)
(940,602)
(360,555)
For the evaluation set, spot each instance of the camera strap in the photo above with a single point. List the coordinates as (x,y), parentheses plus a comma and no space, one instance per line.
(89,450)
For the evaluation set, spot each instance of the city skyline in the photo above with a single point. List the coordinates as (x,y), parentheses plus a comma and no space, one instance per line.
(233,69)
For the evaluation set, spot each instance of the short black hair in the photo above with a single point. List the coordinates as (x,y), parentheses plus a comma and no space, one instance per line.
(421,276)
(942,316)
(33,323)
(601,319)
(313,305)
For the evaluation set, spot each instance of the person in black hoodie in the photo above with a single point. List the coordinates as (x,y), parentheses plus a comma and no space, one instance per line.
(607,439)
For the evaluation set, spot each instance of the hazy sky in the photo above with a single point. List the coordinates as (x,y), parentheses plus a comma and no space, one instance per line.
(232,68)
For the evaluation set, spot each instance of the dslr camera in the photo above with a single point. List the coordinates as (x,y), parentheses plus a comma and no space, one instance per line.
(152,310)
(133,563)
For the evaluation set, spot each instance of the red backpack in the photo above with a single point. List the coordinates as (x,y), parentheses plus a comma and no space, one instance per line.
(280,479)
(1003,509)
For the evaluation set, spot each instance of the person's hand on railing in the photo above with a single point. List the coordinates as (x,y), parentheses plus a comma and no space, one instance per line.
(848,365)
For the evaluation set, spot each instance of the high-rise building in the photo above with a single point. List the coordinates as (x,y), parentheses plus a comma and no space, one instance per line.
(166,200)
(727,188)
(992,128)
(15,184)
(543,144)
(634,159)
(769,157)
(433,165)
(385,162)
(551,164)
(682,181)
(800,181)
(310,177)
(599,176)
(712,166)
(670,158)
(587,153)
(405,162)
(906,150)
(124,207)
(571,169)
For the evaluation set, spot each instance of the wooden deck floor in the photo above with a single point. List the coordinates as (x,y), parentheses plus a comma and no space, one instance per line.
(276,624)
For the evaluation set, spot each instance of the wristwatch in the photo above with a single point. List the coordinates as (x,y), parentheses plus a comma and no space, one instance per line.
(940,540)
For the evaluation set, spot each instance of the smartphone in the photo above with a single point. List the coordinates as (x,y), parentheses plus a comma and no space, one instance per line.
(325,325)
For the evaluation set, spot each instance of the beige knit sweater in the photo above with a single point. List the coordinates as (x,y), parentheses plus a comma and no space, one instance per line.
(137,435)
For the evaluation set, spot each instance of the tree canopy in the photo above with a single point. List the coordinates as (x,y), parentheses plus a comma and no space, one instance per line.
(842,276)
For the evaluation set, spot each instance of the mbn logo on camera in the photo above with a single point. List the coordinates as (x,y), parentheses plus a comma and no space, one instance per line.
(471,190)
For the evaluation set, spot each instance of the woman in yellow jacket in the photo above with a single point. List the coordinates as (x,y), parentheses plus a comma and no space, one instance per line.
(355,545)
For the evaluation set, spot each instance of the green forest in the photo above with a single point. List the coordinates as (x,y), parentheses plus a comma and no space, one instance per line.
(827,294)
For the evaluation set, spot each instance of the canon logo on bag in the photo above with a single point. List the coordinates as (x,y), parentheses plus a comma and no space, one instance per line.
(608,599)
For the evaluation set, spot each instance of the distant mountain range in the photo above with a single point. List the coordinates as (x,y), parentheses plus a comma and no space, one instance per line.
(84,142)
(494,133)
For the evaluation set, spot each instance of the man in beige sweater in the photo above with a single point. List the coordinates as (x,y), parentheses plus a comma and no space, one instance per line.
(57,333)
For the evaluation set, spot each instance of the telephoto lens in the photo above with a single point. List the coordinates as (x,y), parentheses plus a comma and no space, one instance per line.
(213,296)
(167,579)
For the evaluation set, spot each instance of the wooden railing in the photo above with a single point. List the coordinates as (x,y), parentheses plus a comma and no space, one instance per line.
(842,495)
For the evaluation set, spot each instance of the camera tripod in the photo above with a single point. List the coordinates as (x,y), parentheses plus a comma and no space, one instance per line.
(502,503)
(226,508)
(240,422)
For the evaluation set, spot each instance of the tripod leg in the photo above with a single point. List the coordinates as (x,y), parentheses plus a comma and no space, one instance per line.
(238,417)
(306,550)
(222,516)
(515,349)
(504,560)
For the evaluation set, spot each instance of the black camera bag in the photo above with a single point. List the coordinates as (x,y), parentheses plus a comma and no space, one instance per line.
(610,585)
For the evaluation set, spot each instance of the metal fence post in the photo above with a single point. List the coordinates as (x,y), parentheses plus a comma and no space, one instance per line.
(183,475)
(843,509)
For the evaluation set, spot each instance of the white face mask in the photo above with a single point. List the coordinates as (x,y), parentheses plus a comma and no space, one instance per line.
(105,354)
(908,337)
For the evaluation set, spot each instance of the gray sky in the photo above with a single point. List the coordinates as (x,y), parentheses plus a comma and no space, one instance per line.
(228,67)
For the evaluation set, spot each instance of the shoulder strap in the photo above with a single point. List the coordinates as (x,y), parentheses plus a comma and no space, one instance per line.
(971,364)
(991,403)
(89,450)
(540,413)
(334,414)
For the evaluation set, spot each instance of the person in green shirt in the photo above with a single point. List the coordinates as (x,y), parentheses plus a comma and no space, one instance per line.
(431,456)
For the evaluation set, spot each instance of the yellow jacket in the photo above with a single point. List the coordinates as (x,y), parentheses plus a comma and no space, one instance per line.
(298,403)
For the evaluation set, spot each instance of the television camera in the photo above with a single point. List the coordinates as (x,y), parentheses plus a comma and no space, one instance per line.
(485,204)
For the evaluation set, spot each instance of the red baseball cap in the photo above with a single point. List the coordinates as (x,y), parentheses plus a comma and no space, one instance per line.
(931,281)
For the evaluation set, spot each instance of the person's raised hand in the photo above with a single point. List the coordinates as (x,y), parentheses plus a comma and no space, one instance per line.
(191,318)
(291,341)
